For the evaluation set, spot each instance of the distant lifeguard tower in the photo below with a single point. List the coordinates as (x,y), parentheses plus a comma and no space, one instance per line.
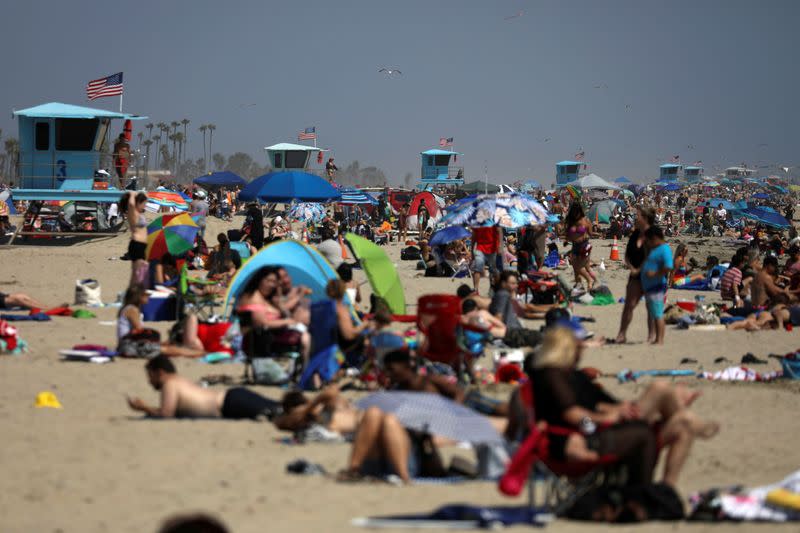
(60,149)
(284,157)
(669,172)
(693,174)
(568,171)
(437,169)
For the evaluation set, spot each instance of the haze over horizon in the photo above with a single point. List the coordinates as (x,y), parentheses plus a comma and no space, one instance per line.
(631,82)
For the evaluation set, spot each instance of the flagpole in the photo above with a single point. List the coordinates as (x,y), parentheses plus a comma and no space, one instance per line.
(120,102)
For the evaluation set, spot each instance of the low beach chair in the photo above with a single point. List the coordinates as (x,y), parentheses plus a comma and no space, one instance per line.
(324,331)
(263,352)
(564,482)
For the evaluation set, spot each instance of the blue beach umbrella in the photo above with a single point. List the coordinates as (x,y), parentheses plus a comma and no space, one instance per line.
(448,235)
(221,179)
(768,217)
(285,187)
(622,179)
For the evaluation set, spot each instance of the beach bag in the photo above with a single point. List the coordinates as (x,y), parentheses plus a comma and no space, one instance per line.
(653,501)
(87,292)
(267,371)
(791,367)
(9,338)
(410,253)
(144,343)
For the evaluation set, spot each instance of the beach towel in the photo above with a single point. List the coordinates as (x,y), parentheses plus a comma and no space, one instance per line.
(630,375)
(461,516)
(763,503)
(699,285)
(740,373)
(36,317)
(603,299)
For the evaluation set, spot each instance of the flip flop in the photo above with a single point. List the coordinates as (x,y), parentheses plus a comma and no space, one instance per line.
(688,361)
(722,360)
(750,359)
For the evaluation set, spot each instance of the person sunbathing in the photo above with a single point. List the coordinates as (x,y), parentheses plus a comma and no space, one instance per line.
(682,272)
(181,397)
(19,299)
(381,446)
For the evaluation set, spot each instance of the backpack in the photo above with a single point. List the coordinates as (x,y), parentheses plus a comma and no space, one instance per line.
(652,501)
(410,253)
(144,343)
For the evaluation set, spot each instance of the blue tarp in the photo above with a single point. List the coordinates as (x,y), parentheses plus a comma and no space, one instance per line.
(303,263)
(285,187)
(221,179)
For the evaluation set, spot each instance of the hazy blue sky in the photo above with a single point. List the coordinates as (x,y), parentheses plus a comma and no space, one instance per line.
(719,75)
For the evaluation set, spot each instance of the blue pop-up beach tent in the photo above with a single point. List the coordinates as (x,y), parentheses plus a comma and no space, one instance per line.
(303,263)
(221,179)
(285,187)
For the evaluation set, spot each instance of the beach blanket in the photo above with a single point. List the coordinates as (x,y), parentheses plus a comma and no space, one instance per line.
(461,516)
(36,317)
(740,373)
(700,285)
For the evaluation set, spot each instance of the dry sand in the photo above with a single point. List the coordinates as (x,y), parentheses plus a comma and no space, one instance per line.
(96,466)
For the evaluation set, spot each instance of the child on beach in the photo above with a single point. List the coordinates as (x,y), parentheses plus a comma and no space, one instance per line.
(655,270)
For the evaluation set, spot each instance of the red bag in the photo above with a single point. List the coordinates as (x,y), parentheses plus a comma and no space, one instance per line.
(8,334)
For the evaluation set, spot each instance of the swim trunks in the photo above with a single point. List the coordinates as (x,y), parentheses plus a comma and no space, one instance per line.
(136,250)
(243,403)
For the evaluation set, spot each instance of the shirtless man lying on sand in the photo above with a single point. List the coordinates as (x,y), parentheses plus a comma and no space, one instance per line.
(183,398)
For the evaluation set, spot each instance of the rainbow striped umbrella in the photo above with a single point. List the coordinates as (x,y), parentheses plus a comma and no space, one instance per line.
(169,199)
(173,233)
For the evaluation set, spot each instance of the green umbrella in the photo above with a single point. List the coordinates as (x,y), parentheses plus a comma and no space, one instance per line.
(380,272)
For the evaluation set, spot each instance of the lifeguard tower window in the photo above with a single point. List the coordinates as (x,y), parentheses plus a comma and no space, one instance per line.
(76,134)
(670,170)
(278,160)
(296,158)
(42,136)
(572,169)
(441,160)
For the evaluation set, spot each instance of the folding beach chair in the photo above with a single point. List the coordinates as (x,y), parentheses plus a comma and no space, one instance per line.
(265,352)
(443,338)
(564,482)
(201,304)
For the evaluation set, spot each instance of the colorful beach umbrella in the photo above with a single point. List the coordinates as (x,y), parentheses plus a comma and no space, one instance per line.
(173,233)
(307,212)
(169,199)
(509,211)
(380,272)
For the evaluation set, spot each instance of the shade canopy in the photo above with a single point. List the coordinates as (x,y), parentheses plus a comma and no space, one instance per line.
(622,179)
(221,179)
(285,187)
(380,272)
(59,110)
(602,211)
(303,263)
(593,181)
(352,195)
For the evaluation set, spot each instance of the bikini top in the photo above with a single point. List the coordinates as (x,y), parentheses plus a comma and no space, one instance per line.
(141,222)
(574,231)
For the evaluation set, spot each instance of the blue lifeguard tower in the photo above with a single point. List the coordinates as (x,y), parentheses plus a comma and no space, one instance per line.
(437,169)
(289,157)
(669,172)
(60,149)
(693,174)
(568,171)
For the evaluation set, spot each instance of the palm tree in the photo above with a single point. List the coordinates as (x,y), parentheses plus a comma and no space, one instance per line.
(185,123)
(179,140)
(147,143)
(174,138)
(12,154)
(211,128)
(157,139)
(174,125)
(149,127)
(203,129)
(139,136)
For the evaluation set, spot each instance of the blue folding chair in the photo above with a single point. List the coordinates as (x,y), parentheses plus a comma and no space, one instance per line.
(324,331)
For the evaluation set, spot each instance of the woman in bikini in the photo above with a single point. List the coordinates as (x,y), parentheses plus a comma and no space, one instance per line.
(257,299)
(635,254)
(132,206)
(579,229)
(682,274)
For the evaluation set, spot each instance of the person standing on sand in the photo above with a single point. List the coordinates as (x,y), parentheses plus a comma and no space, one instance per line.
(132,206)
(655,271)
(402,223)
(635,254)
(183,398)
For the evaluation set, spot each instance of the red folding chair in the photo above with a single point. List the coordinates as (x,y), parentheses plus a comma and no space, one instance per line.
(564,481)
(438,319)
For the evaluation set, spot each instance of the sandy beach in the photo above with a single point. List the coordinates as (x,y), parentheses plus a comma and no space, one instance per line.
(97,466)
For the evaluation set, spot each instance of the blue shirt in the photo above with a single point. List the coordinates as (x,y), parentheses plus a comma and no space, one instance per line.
(658,259)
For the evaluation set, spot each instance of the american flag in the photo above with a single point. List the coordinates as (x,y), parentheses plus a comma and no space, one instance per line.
(579,155)
(444,142)
(676,158)
(308,134)
(108,86)
(698,163)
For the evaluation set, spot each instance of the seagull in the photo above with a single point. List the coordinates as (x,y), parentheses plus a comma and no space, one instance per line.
(602,86)
(241,106)
(546,139)
(627,106)
(390,71)
(512,17)
(690,147)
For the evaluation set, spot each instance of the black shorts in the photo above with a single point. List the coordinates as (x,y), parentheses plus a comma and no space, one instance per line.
(136,250)
(243,403)
(3,300)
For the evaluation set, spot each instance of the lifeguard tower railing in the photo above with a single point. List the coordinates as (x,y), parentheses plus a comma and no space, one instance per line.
(453,176)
